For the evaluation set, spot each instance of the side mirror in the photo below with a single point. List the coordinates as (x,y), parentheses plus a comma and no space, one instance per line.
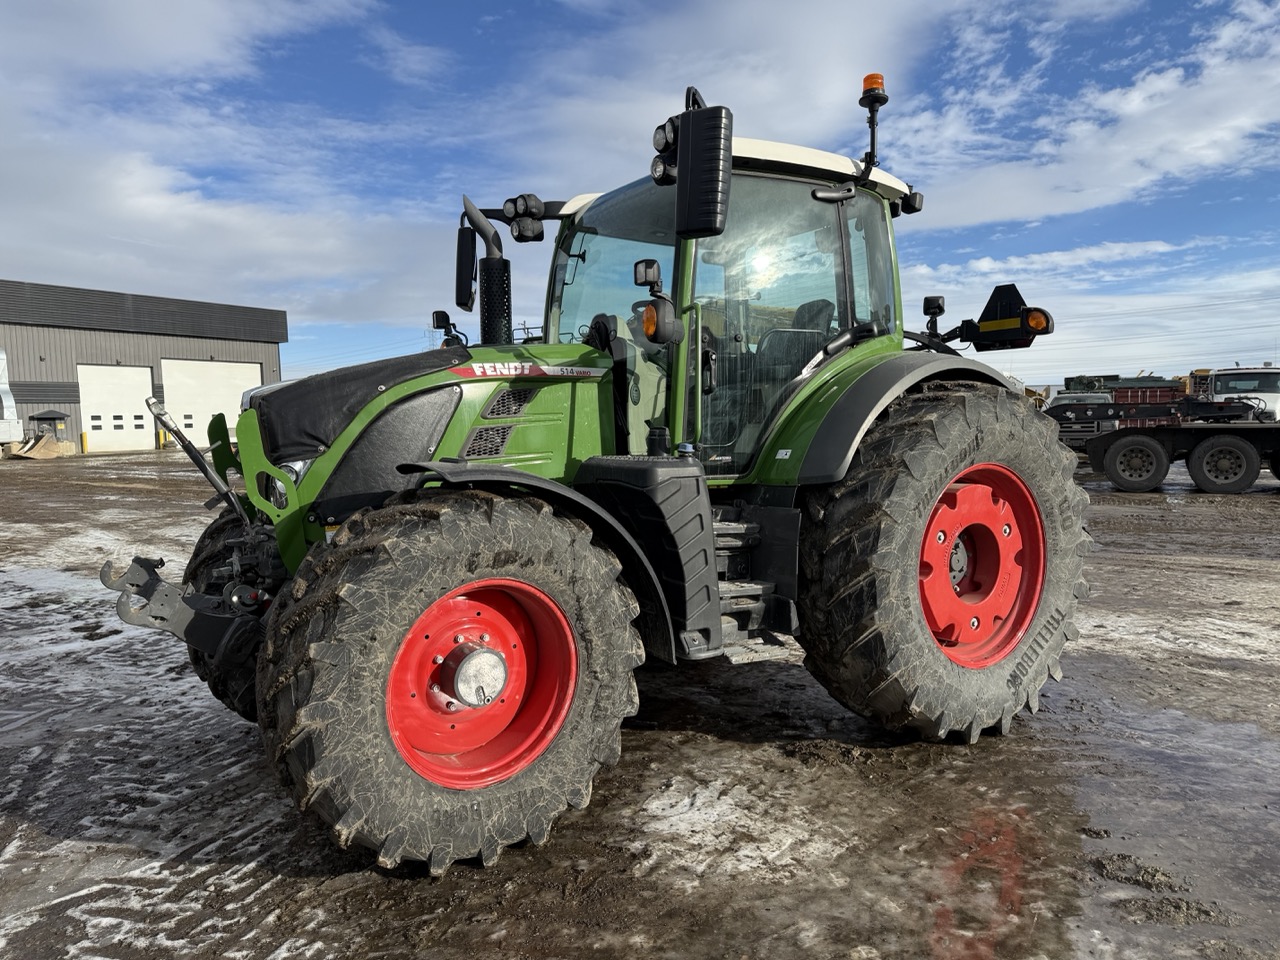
(465,269)
(703,168)
(695,150)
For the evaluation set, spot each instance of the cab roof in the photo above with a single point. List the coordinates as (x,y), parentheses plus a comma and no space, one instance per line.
(749,154)
(768,154)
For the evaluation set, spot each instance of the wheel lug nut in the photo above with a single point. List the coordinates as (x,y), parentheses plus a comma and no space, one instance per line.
(1007,530)
(457,638)
(450,705)
(437,659)
(435,688)
(484,638)
(942,537)
(973,624)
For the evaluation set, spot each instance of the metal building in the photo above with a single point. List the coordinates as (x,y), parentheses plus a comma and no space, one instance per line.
(98,355)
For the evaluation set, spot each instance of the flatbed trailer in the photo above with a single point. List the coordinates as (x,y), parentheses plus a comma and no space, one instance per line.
(1222,457)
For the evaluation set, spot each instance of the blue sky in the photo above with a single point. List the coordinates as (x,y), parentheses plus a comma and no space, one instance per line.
(1118,159)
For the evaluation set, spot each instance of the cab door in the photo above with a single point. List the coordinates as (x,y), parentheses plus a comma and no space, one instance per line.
(788,274)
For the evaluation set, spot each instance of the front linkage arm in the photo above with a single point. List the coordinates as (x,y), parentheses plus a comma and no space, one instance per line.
(224,628)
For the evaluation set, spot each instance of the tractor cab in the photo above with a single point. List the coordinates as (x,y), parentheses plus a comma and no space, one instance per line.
(801,267)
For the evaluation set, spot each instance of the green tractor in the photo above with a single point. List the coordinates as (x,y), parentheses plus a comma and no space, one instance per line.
(443,569)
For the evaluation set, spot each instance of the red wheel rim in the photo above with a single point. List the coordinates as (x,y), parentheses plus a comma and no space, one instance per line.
(448,727)
(982,564)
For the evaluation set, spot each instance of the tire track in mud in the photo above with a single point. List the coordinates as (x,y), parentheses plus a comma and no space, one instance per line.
(123,848)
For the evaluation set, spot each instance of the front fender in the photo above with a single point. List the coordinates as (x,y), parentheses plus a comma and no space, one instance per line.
(831,451)
(655,614)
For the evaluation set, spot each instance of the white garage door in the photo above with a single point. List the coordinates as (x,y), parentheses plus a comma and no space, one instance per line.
(113,407)
(194,390)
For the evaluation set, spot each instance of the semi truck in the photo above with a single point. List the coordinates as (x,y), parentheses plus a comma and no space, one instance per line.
(1224,442)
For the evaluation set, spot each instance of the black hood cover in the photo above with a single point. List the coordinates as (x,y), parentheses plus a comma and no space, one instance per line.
(302,418)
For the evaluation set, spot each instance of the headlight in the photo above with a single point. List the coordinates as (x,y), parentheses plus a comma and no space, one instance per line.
(295,470)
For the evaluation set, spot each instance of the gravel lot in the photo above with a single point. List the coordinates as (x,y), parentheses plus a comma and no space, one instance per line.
(1137,815)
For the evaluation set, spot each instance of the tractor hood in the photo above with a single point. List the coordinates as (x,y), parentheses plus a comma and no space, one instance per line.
(302,418)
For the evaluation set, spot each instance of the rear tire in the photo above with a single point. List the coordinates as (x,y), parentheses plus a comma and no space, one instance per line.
(1224,464)
(207,571)
(1136,464)
(362,701)
(956,634)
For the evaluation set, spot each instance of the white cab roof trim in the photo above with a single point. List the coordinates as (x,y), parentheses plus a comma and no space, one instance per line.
(841,167)
(767,151)
(578,202)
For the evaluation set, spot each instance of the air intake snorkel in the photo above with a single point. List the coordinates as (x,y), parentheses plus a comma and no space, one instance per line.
(494,275)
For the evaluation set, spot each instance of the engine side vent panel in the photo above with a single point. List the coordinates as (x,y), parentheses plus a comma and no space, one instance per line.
(509,403)
(486,442)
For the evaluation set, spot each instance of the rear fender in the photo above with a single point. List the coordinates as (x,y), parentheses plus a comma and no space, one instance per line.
(828,456)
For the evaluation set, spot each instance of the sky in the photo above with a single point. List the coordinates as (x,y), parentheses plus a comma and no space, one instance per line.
(1117,159)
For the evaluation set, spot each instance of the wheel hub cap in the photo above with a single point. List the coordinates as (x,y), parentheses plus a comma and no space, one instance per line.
(982,563)
(482,683)
(1138,463)
(1225,466)
(473,674)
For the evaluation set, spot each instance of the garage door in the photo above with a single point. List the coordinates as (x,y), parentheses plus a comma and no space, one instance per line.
(113,408)
(194,390)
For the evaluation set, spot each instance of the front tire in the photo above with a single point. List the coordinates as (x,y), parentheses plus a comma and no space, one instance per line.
(449,675)
(208,571)
(940,578)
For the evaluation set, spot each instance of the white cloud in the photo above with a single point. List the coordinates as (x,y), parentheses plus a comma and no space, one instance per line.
(406,62)
(1216,112)
(142,37)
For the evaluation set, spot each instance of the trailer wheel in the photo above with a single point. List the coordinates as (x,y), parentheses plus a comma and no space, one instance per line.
(1136,464)
(448,677)
(1224,464)
(206,571)
(939,579)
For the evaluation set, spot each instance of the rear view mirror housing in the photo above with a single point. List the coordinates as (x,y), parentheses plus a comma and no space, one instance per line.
(695,151)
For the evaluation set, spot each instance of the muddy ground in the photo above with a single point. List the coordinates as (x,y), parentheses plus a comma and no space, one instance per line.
(1137,815)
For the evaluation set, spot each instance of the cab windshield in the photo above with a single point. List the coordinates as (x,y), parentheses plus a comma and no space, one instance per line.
(593,271)
(1247,381)
(593,275)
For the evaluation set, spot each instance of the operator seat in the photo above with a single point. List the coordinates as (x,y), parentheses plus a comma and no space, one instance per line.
(816,315)
(784,351)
